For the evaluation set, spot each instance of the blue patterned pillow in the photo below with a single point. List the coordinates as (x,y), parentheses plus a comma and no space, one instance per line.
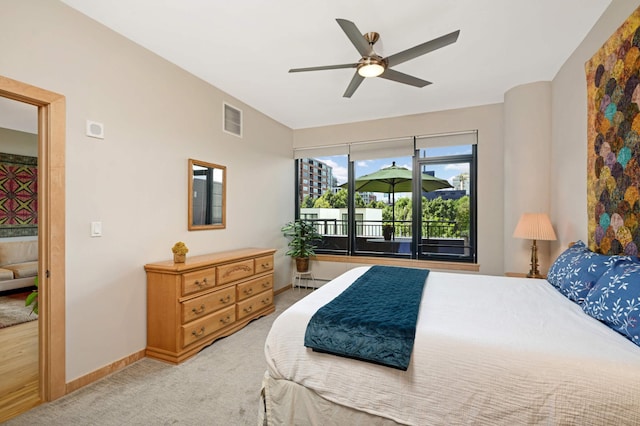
(556,273)
(615,299)
(577,269)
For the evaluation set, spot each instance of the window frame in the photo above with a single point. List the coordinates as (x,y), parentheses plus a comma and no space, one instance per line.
(471,158)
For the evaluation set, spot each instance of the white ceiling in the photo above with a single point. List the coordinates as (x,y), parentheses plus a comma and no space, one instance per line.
(246,47)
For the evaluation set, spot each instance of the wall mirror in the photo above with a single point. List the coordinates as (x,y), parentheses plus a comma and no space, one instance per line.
(207,195)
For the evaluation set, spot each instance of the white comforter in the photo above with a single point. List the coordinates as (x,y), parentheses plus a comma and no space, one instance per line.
(488,350)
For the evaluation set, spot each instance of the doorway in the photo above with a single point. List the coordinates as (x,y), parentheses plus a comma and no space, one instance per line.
(51,229)
(19,387)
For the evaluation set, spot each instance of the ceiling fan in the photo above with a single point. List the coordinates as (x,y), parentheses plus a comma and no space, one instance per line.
(373,65)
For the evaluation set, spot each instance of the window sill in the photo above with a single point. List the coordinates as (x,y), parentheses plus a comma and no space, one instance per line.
(430,264)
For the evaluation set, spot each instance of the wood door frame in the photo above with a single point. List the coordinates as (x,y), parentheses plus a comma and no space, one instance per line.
(51,231)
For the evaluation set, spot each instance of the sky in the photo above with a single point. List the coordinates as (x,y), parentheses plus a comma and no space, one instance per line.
(445,171)
(448,171)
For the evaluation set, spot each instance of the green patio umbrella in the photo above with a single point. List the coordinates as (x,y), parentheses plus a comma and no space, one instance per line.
(394,179)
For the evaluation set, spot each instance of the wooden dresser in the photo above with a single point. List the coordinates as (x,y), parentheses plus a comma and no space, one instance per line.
(191,304)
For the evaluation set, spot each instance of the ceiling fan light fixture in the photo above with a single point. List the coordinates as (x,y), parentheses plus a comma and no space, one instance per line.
(373,65)
(370,67)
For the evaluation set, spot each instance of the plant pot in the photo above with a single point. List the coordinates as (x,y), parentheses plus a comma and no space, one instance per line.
(387,233)
(179,258)
(302,264)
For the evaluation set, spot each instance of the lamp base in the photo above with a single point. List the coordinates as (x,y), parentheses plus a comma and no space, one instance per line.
(534,272)
(535,275)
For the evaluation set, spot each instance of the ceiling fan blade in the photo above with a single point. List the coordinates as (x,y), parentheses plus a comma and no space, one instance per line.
(400,77)
(324,67)
(355,82)
(356,37)
(423,48)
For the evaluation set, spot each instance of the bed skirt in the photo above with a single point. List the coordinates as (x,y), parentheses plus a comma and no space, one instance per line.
(283,402)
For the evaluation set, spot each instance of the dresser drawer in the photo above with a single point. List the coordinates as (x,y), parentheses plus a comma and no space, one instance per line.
(199,280)
(253,287)
(203,327)
(204,305)
(254,304)
(264,264)
(235,271)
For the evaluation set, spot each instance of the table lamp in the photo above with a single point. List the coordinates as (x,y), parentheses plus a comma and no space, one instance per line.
(534,226)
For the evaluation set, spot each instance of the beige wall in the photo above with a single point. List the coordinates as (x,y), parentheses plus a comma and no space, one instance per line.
(156,116)
(486,119)
(569,130)
(527,154)
(17,142)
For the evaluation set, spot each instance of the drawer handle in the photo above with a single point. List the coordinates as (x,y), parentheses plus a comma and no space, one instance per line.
(266,301)
(225,299)
(201,284)
(266,284)
(248,309)
(198,333)
(198,311)
(239,268)
(225,320)
(265,265)
(248,290)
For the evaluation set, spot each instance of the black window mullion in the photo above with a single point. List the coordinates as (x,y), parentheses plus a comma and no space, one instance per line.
(351,209)
(473,226)
(416,213)
(296,180)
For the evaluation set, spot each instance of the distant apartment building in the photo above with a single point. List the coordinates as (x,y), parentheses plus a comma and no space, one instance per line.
(460,189)
(368,197)
(316,178)
(461,182)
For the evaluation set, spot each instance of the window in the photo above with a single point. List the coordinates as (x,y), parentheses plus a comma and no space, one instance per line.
(324,202)
(447,230)
(384,220)
(390,207)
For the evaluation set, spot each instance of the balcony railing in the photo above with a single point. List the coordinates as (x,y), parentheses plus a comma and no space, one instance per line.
(440,239)
(373,228)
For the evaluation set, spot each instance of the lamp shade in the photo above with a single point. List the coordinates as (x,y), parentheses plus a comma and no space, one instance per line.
(534,226)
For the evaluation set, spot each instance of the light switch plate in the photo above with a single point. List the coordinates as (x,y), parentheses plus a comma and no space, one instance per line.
(96,229)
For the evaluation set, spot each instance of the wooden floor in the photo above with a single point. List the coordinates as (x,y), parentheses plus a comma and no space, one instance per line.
(18,369)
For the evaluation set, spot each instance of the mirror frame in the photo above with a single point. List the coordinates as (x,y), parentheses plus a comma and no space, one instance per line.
(222,225)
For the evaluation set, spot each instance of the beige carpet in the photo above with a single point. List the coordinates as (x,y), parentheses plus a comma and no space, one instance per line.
(219,386)
(13,311)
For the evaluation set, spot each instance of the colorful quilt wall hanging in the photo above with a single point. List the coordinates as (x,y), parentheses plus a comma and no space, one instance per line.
(18,195)
(613,147)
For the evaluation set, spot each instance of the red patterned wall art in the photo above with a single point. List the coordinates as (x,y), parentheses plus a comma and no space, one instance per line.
(18,195)
(613,147)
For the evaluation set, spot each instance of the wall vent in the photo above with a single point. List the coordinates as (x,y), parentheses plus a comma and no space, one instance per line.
(232,120)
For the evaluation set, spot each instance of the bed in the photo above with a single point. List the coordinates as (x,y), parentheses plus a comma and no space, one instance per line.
(488,350)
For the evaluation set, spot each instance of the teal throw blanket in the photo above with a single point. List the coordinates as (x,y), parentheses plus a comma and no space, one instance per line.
(374,319)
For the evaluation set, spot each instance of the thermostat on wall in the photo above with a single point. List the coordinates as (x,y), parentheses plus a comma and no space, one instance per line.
(95,129)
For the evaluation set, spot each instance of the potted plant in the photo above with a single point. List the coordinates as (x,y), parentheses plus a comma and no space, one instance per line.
(302,244)
(387,231)
(180,251)
(32,298)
